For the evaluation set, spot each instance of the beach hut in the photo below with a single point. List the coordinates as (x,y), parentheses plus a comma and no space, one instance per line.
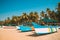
(40,29)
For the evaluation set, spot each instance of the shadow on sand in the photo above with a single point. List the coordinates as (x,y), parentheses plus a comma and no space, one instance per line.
(23,31)
(35,35)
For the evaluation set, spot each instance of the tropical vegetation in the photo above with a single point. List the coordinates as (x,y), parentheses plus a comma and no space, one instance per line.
(41,18)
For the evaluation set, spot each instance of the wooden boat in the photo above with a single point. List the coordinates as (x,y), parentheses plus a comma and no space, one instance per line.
(39,29)
(0,26)
(8,27)
(59,27)
(24,28)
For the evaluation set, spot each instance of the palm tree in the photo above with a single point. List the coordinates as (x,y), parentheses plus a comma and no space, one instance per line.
(8,18)
(58,9)
(48,11)
(14,20)
(31,16)
(58,12)
(42,14)
(1,23)
(53,15)
(18,20)
(7,21)
(24,17)
(36,16)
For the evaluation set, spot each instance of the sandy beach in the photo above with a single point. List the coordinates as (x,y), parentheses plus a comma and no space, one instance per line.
(13,34)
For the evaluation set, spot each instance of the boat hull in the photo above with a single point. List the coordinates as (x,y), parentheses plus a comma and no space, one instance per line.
(43,29)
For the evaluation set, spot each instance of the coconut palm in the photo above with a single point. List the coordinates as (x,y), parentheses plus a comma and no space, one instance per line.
(42,14)
(24,17)
(18,20)
(53,15)
(48,11)
(14,20)
(7,21)
(1,23)
(32,16)
(58,9)
(58,12)
(36,16)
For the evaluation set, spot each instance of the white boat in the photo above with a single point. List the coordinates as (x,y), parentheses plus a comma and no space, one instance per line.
(39,29)
(8,27)
(59,27)
(0,26)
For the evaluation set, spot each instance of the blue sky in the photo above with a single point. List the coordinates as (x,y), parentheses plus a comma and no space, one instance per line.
(9,8)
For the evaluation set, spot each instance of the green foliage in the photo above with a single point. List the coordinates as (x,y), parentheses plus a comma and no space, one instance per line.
(33,17)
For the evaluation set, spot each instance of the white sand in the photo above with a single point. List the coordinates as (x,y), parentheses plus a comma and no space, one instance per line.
(13,34)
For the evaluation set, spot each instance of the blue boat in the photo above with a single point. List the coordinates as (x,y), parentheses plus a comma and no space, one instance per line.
(59,27)
(40,29)
(24,28)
